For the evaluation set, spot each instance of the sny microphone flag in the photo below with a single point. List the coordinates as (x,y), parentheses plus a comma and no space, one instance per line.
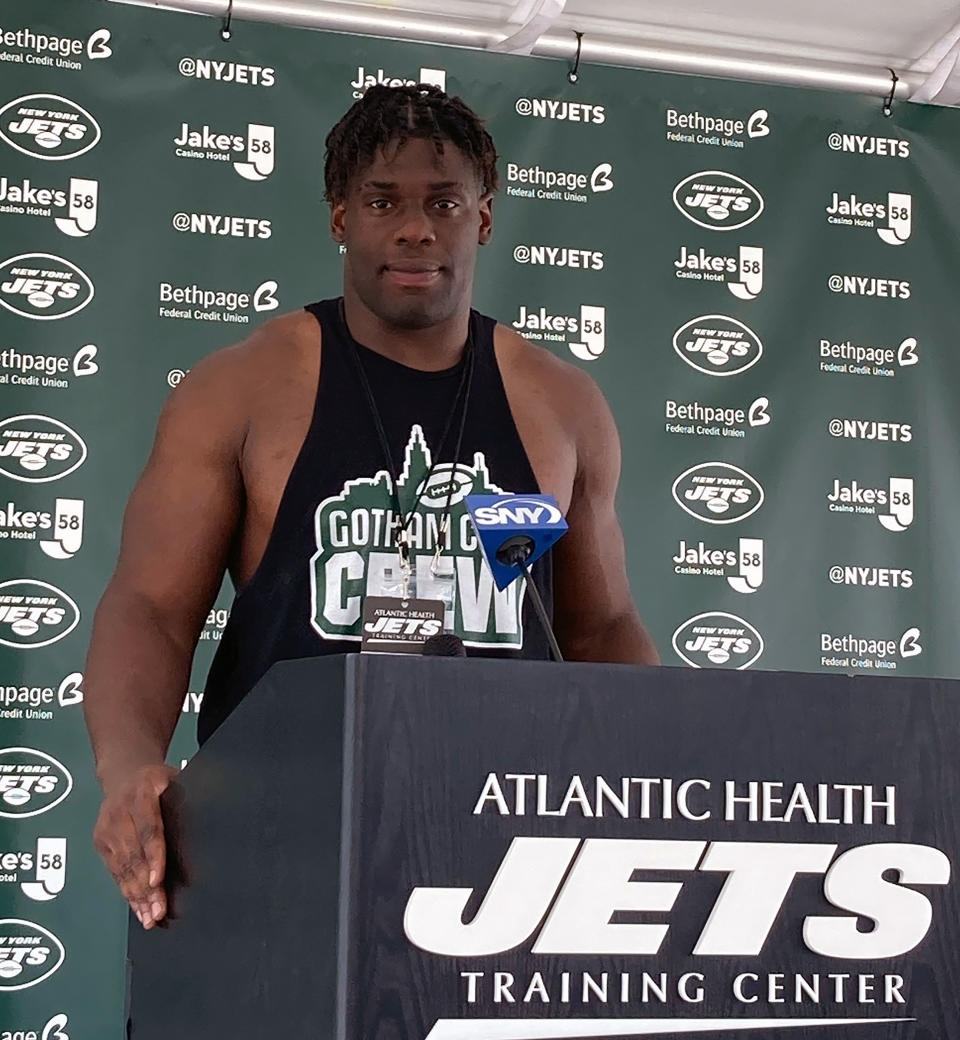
(534,521)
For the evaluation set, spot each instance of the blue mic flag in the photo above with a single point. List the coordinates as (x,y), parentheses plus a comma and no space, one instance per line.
(499,518)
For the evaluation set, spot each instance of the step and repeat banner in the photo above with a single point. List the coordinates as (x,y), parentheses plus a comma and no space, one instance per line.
(762,280)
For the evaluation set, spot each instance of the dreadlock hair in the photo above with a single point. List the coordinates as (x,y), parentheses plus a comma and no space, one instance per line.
(387,114)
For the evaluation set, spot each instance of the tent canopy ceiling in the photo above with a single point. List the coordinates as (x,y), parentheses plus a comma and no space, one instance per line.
(820,42)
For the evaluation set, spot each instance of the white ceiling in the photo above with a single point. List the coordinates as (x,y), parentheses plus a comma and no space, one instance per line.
(827,42)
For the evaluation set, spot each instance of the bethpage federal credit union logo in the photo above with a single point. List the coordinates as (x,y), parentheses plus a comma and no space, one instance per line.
(47,371)
(197,303)
(870,430)
(717,493)
(868,652)
(892,503)
(742,271)
(43,287)
(31,782)
(741,565)
(717,345)
(862,359)
(52,1029)
(536,182)
(58,530)
(365,80)
(26,46)
(47,126)
(227,72)
(559,256)
(695,419)
(29,954)
(863,144)
(36,449)
(37,703)
(563,111)
(718,201)
(717,131)
(584,334)
(892,218)
(252,154)
(34,614)
(718,640)
(40,869)
(73,208)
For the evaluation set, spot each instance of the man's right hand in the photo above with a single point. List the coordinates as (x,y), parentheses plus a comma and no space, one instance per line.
(129,836)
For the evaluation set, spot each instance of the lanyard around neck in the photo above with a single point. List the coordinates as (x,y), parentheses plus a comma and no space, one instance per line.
(463,391)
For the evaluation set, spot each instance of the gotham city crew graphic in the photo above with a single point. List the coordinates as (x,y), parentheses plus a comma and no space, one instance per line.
(356,550)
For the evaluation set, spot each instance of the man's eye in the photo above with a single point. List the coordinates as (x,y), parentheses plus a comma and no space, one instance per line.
(447,204)
(380,203)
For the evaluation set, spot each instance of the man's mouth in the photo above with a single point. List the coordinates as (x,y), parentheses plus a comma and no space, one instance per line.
(412,273)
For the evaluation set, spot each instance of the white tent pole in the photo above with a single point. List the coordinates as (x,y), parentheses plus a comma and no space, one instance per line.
(602,50)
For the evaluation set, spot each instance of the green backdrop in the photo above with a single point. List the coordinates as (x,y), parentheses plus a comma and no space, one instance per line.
(762,280)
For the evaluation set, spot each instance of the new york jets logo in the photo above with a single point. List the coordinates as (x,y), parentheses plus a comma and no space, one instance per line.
(47,126)
(718,201)
(28,954)
(717,640)
(717,345)
(31,782)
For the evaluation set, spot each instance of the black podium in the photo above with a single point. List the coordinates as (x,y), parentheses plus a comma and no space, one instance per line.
(390,848)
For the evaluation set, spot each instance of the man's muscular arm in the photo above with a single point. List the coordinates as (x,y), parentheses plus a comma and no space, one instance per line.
(177,530)
(595,617)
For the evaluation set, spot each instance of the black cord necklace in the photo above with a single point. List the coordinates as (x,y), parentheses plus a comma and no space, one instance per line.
(463,391)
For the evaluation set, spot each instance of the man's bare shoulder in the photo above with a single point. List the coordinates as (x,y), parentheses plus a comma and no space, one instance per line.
(279,345)
(566,383)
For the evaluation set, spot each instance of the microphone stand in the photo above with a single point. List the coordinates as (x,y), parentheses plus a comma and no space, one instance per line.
(515,552)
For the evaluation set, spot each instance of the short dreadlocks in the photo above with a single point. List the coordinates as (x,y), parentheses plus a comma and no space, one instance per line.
(386,114)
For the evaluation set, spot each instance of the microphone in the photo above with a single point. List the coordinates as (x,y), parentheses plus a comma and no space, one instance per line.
(444,644)
(515,531)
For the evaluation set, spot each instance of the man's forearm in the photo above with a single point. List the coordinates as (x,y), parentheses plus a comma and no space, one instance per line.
(623,640)
(136,678)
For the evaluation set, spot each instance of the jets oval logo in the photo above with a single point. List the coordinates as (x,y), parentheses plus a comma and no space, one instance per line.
(717,345)
(445,482)
(718,201)
(28,954)
(718,640)
(34,614)
(47,126)
(31,782)
(43,287)
(37,449)
(717,493)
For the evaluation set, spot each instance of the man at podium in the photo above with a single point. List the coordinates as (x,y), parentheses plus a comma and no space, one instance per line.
(325,460)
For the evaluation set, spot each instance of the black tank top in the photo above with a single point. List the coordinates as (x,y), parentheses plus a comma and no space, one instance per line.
(332,534)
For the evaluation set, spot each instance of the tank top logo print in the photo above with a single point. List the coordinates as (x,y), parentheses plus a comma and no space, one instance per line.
(355,544)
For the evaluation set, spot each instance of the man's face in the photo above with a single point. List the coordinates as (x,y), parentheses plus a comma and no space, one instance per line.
(412,221)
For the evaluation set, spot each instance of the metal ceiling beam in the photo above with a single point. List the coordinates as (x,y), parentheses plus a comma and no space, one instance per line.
(368,21)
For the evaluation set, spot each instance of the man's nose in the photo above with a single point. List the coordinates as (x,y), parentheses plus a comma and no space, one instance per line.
(415,226)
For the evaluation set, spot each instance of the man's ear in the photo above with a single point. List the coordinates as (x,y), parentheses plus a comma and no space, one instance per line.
(338,231)
(486,219)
